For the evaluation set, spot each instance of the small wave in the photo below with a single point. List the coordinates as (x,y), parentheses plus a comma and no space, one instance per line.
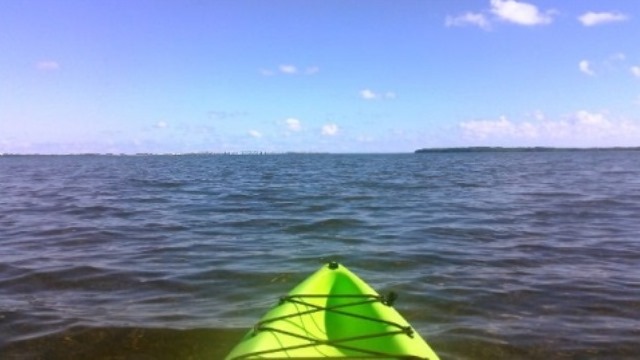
(77,277)
(157,184)
(331,225)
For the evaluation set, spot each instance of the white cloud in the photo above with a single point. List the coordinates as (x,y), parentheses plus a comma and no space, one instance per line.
(502,127)
(469,18)
(161,124)
(368,94)
(47,65)
(585,67)
(255,134)
(330,129)
(597,18)
(512,11)
(519,12)
(584,128)
(587,118)
(288,69)
(293,124)
(635,70)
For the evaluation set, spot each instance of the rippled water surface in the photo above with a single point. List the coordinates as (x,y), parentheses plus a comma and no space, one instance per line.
(494,255)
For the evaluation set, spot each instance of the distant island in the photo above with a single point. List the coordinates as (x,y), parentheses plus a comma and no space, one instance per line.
(476,149)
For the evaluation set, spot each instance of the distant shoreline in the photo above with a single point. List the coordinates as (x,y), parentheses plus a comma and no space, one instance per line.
(470,149)
(228,153)
(478,149)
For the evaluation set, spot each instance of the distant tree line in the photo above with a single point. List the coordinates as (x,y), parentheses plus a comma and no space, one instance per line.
(477,149)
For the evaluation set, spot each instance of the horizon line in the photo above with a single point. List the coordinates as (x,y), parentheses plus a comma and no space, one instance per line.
(259,152)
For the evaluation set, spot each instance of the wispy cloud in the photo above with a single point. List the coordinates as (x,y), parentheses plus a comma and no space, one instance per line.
(368,94)
(468,19)
(520,13)
(255,134)
(161,125)
(598,18)
(617,57)
(330,130)
(225,115)
(483,129)
(613,63)
(585,67)
(290,69)
(47,65)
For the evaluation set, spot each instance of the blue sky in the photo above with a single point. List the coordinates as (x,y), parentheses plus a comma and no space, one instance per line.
(119,76)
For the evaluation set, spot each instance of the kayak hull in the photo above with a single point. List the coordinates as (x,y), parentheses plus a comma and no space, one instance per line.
(332,314)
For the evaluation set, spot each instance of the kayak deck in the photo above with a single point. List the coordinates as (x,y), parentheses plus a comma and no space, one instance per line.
(333,314)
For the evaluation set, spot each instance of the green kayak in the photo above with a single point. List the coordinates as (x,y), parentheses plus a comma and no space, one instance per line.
(333,314)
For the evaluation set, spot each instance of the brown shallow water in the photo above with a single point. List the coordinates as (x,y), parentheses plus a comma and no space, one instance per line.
(127,343)
(195,344)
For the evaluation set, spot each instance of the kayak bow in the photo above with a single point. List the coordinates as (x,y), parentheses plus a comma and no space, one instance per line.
(333,314)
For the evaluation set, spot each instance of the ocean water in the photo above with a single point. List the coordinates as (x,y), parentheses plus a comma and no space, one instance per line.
(523,255)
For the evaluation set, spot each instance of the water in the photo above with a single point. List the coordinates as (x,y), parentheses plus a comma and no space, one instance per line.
(494,255)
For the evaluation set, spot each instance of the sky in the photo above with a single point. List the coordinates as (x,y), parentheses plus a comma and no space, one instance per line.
(181,76)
